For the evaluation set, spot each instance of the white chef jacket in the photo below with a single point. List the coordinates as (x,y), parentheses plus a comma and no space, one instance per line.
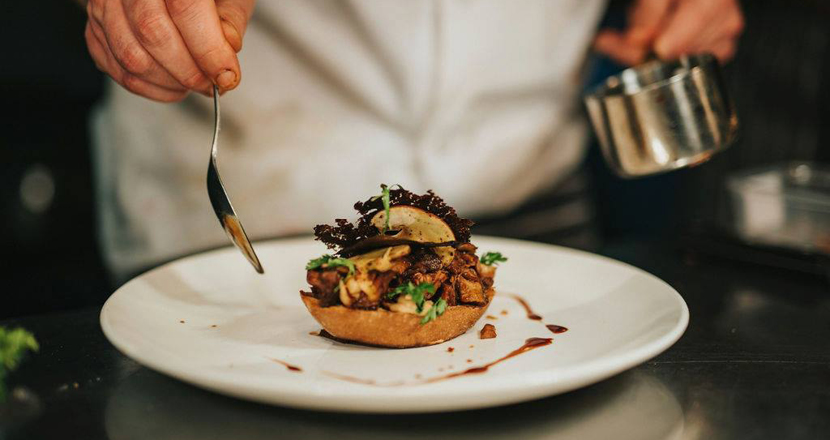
(476,99)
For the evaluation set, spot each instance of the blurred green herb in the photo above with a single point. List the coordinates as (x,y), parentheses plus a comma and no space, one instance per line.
(330,261)
(14,343)
(416,293)
(491,258)
(435,311)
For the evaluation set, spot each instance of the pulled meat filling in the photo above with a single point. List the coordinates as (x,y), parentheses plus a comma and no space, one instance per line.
(463,281)
(390,263)
(324,286)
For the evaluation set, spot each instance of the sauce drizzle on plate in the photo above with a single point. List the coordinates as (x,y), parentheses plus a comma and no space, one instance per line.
(556,329)
(530,314)
(288,366)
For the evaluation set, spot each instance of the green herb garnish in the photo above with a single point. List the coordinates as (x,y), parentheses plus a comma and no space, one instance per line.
(491,258)
(416,293)
(14,343)
(418,296)
(435,311)
(330,261)
(384,197)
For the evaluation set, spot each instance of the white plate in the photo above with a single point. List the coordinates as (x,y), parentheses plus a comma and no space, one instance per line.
(210,320)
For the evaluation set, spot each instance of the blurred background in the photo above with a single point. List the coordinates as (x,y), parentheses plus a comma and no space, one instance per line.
(779,80)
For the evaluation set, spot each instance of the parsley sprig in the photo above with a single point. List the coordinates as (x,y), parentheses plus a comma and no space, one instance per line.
(384,197)
(330,261)
(435,311)
(14,343)
(416,293)
(418,296)
(492,258)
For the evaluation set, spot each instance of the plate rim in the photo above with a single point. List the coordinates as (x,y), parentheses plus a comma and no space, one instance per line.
(546,382)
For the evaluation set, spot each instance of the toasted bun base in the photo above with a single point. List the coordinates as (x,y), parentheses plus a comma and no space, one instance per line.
(393,329)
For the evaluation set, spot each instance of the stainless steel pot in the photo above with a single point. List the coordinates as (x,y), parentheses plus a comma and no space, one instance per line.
(663,115)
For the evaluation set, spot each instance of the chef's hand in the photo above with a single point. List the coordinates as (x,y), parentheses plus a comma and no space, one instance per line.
(673,28)
(163,49)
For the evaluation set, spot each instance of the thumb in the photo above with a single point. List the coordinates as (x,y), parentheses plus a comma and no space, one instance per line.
(234,16)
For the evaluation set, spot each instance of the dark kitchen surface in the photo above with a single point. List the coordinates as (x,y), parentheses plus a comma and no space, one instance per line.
(754,363)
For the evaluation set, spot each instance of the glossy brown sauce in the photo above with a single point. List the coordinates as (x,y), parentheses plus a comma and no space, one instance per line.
(450,349)
(287,365)
(556,329)
(530,314)
(234,229)
(362,381)
(530,344)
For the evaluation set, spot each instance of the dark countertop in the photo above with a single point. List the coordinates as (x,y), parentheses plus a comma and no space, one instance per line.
(754,363)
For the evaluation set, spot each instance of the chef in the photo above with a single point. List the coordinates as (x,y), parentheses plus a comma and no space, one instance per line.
(323,100)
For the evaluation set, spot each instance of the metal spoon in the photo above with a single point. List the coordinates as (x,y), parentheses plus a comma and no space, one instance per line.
(220,201)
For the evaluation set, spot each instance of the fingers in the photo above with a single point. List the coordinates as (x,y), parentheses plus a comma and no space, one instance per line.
(95,50)
(234,16)
(163,48)
(674,28)
(616,46)
(130,53)
(720,37)
(724,50)
(199,25)
(105,61)
(156,32)
(700,26)
(646,19)
(682,29)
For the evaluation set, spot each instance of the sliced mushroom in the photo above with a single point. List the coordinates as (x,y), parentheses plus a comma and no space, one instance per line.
(379,259)
(410,223)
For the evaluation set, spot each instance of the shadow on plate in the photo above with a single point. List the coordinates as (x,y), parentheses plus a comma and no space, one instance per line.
(633,405)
